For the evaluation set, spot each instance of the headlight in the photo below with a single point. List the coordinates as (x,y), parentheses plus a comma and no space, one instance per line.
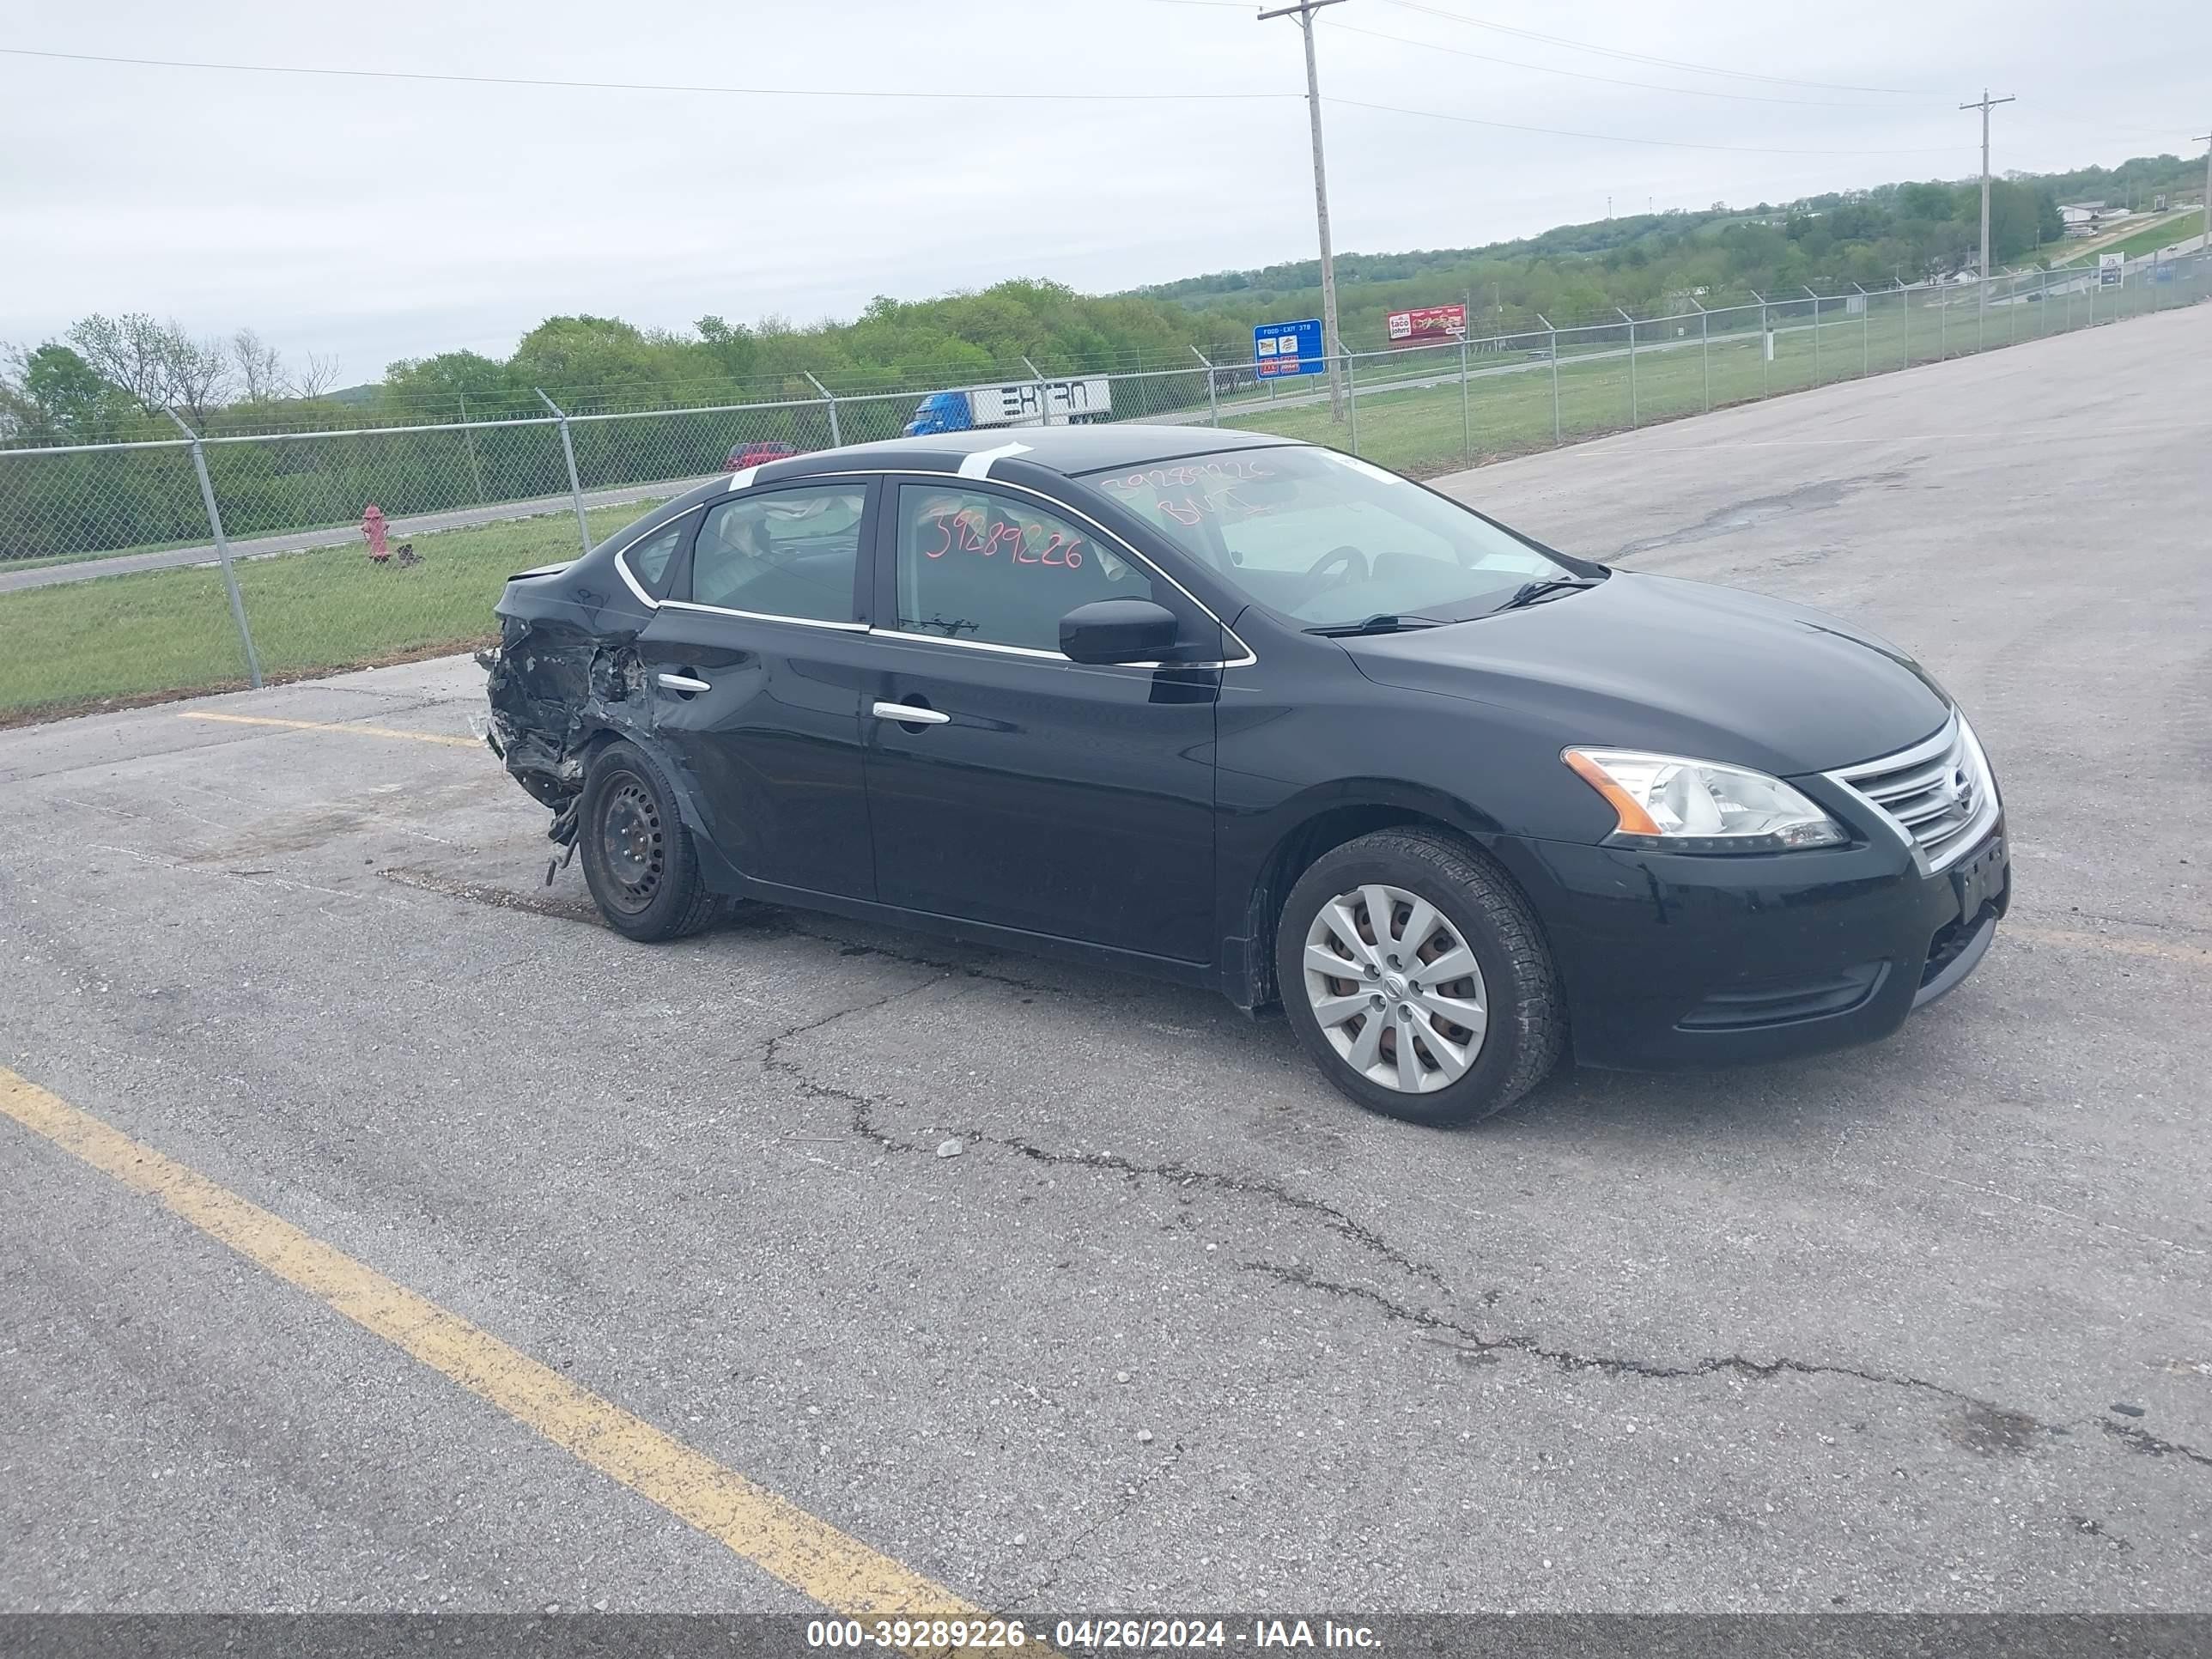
(1680,805)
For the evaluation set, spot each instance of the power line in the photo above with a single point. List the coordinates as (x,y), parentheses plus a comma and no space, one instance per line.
(647,85)
(1638,56)
(1585,75)
(1653,86)
(1622,138)
(2091,121)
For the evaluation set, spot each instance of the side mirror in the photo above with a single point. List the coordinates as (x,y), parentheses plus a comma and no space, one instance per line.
(1117,631)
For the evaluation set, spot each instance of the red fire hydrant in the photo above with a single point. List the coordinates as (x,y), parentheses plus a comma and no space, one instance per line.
(373,527)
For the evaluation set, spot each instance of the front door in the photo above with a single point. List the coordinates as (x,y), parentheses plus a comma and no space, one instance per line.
(1006,784)
(755,665)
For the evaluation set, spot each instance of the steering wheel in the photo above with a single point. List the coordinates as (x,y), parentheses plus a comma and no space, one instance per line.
(1349,556)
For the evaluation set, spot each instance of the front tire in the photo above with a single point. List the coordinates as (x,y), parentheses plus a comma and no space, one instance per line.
(1415,975)
(638,858)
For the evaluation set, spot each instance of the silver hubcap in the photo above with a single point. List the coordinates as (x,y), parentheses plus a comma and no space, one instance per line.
(1395,989)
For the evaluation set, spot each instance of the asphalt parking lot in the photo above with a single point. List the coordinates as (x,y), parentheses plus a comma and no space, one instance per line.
(1923,1326)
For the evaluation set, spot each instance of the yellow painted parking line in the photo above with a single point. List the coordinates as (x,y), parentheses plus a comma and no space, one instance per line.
(811,1556)
(2198,956)
(331,725)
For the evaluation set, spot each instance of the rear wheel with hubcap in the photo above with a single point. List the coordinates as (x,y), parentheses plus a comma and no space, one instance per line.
(1414,974)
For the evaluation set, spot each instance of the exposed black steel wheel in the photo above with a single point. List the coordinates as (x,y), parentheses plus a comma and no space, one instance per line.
(638,857)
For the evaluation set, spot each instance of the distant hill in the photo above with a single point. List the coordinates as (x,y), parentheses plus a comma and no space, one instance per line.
(1651,262)
(1297,276)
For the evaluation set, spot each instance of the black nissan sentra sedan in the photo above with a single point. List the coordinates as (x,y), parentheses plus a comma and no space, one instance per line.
(1258,716)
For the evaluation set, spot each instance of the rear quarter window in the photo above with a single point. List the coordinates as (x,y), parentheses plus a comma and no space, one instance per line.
(649,559)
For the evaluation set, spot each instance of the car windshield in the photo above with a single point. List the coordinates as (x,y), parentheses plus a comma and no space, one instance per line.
(1325,540)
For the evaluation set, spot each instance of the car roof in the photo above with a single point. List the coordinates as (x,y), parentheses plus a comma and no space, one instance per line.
(1068,450)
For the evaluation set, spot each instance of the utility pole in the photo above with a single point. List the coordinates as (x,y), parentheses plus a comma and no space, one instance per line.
(1982,275)
(1331,346)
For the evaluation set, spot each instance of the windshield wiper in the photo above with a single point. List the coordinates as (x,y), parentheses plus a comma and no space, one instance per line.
(1386,623)
(1530,592)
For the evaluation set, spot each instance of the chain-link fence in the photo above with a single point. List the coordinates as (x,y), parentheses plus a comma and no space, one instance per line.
(228,561)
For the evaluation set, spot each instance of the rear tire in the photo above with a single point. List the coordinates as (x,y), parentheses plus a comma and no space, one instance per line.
(1443,1050)
(638,858)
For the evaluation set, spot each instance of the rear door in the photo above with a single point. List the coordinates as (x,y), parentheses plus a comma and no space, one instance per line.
(1008,784)
(755,663)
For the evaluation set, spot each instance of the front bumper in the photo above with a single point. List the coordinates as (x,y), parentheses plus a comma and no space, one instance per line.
(1671,960)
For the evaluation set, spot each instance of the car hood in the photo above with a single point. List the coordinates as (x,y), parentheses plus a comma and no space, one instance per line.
(1681,667)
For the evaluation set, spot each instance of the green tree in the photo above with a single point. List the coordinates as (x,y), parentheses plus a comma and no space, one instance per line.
(2015,218)
(2049,223)
(1931,201)
(447,385)
(595,362)
(52,393)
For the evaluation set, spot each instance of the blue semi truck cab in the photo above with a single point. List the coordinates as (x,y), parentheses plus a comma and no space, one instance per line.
(941,411)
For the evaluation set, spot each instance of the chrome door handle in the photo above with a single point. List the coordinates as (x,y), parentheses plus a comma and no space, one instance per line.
(683,683)
(908,714)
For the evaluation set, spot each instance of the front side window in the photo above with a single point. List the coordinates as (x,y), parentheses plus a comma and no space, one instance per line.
(1324,539)
(974,564)
(785,553)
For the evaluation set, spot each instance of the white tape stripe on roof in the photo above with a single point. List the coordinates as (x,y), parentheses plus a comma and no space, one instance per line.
(742,477)
(978,465)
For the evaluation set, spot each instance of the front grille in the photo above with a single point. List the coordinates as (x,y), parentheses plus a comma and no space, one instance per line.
(1939,794)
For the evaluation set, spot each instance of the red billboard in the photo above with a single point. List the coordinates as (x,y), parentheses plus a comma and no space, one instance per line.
(1427,323)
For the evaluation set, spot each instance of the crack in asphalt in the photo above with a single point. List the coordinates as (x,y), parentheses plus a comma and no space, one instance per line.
(1609,1365)
(863,1108)
(2150,1445)
(1991,1425)
(1993,1419)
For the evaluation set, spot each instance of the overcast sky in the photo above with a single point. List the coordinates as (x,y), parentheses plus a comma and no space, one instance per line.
(382,219)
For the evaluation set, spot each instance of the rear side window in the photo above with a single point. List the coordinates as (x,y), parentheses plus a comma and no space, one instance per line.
(786,553)
(974,564)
